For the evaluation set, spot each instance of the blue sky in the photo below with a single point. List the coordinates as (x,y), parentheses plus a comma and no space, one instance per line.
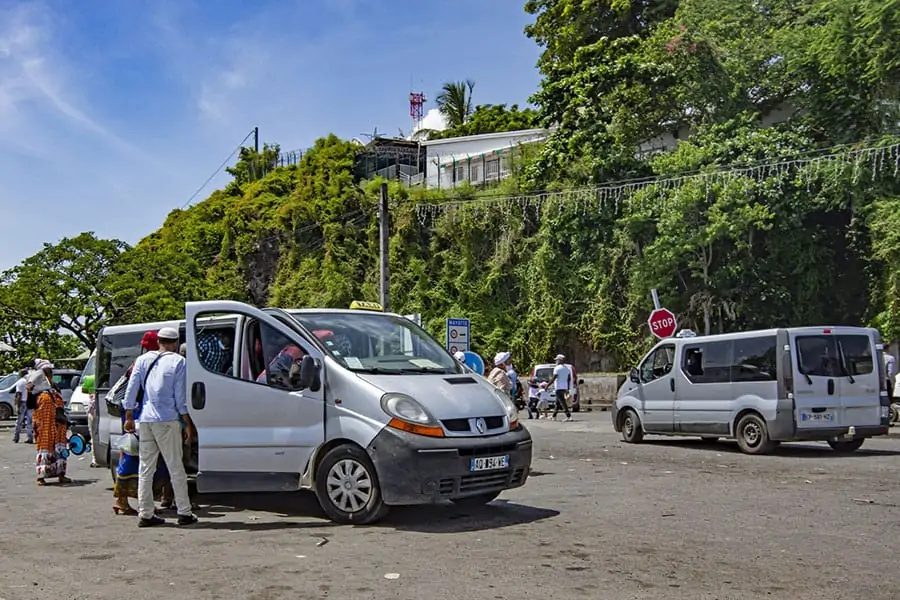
(113,112)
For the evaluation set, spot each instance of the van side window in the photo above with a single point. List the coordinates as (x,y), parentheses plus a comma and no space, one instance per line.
(658,364)
(708,362)
(274,360)
(215,349)
(754,359)
(857,351)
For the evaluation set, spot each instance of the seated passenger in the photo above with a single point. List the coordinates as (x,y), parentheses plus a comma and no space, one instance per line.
(215,349)
(283,367)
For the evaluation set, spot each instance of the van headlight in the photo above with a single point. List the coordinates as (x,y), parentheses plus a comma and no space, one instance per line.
(509,407)
(407,414)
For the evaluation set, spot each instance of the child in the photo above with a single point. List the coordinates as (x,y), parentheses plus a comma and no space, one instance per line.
(544,402)
(534,399)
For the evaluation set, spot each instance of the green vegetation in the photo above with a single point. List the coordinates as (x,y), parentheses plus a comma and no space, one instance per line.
(731,239)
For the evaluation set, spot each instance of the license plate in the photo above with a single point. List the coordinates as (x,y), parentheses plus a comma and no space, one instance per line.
(489,463)
(822,417)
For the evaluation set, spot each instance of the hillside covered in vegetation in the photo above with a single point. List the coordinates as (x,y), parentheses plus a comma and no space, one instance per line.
(778,206)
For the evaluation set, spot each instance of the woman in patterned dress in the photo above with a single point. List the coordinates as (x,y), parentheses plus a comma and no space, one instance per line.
(50,436)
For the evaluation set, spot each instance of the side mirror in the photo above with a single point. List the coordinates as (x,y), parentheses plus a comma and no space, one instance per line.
(634,376)
(310,378)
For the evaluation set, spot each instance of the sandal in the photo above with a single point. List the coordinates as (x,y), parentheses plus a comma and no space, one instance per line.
(41,482)
(166,504)
(120,510)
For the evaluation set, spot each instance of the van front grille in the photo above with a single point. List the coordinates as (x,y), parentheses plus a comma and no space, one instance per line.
(468,425)
(477,482)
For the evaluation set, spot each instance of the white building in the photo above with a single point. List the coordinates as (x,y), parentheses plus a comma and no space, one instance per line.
(477,159)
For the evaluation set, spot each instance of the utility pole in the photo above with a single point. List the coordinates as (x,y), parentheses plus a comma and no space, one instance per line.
(256,140)
(385,249)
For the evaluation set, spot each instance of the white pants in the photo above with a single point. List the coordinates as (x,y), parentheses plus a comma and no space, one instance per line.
(92,429)
(166,439)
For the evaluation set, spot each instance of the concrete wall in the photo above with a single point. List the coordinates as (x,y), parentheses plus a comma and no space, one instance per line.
(599,389)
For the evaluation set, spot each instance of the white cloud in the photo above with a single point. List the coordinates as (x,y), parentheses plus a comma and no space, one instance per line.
(34,73)
(433,119)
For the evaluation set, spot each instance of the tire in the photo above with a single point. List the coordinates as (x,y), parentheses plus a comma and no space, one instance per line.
(475,501)
(848,446)
(632,433)
(6,411)
(753,435)
(895,413)
(576,407)
(349,465)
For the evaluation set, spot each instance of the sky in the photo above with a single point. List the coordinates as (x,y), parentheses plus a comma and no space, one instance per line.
(114,112)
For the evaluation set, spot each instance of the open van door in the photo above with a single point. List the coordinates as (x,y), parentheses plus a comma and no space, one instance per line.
(256,426)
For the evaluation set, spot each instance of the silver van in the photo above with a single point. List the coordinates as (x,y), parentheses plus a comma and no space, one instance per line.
(761,388)
(362,407)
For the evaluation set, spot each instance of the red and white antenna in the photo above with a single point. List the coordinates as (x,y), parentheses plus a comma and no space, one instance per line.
(416,110)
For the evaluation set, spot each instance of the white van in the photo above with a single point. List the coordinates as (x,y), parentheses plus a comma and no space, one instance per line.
(760,387)
(376,413)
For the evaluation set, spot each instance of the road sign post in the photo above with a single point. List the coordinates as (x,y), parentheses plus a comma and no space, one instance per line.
(662,323)
(457,335)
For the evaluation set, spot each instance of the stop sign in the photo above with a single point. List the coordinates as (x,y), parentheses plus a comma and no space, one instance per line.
(662,323)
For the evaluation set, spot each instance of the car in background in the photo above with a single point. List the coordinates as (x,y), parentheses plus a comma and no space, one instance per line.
(81,396)
(543,372)
(8,396)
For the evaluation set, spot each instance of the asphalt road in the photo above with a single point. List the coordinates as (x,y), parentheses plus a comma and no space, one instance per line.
(598,519)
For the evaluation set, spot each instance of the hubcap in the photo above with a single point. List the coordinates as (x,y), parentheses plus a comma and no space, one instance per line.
(752,434)
(629,426)
(349,485)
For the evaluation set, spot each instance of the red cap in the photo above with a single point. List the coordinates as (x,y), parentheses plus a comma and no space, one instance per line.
(150,341)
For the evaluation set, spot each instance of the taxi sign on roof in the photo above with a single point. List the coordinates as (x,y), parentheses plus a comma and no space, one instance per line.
(360,305)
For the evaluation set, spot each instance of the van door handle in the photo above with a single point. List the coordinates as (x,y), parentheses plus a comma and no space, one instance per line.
(672,384)
(831,387)
(198,395)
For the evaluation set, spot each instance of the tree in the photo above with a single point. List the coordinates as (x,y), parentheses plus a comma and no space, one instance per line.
(455,102)
(492,118)
(65,286)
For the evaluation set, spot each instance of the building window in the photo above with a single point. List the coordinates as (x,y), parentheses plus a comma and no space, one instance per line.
(492,169)
(475,172)
(460,173)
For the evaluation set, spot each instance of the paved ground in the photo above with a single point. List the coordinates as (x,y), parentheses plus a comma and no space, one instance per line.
(599,519)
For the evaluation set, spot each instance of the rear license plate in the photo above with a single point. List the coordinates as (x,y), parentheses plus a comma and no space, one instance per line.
(489,463)
(822,417)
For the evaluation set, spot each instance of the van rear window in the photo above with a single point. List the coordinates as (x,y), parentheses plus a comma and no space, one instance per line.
(835,355)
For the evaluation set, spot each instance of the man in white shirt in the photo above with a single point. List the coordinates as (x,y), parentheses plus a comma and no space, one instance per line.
(562,376)
(21,398)
(889,373)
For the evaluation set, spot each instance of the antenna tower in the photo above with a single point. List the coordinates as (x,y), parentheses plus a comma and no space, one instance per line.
(416,109)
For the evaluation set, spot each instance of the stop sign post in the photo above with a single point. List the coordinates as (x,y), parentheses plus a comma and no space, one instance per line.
(662,323)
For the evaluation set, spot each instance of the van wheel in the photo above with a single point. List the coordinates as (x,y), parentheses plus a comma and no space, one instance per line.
(632,432)
(846,447)
(474,501)
(6,411)
(347,487)
(753,435)
(895,413)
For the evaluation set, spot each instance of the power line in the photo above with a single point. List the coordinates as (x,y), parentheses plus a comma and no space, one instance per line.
(218,170)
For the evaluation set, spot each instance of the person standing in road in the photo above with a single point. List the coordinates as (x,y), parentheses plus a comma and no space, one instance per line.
(498,377)
(51,423)
(160,376)
(513,380)
(562,376)
(889,372)
(24,417)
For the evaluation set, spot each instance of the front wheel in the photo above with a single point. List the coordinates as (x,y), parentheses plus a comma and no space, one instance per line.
(846,447)
(632,432)
(6,411)
(474,501)
(753,435)
(895,413)
(347,487)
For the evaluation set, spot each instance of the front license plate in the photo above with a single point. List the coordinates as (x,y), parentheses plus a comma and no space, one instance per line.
(489,463)
(822,417)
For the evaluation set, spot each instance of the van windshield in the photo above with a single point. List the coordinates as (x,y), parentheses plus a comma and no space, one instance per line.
(370,342)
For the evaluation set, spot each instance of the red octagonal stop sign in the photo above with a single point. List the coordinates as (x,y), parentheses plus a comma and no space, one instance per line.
(662,323)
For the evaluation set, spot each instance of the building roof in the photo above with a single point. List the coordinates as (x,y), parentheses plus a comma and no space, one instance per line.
(487,136)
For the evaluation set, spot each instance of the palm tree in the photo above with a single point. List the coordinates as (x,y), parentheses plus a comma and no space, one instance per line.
(455,102)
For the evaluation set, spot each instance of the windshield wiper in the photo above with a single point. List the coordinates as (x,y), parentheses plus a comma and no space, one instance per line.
(441,370)
(844,368)
(377,371)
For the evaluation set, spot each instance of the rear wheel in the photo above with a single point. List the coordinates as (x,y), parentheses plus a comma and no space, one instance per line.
(631,427)
(6,411)
(347,486)
(895,413)
(753,435)
(848,446)
(473,501)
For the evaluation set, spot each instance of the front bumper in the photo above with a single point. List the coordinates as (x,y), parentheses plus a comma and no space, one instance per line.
(414,469)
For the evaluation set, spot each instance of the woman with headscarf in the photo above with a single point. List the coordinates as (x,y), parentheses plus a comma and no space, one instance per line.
(126,485)
(50,423)
(498,376)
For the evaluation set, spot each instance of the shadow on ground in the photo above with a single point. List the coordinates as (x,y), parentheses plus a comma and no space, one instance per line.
(788,450)
(217,512)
